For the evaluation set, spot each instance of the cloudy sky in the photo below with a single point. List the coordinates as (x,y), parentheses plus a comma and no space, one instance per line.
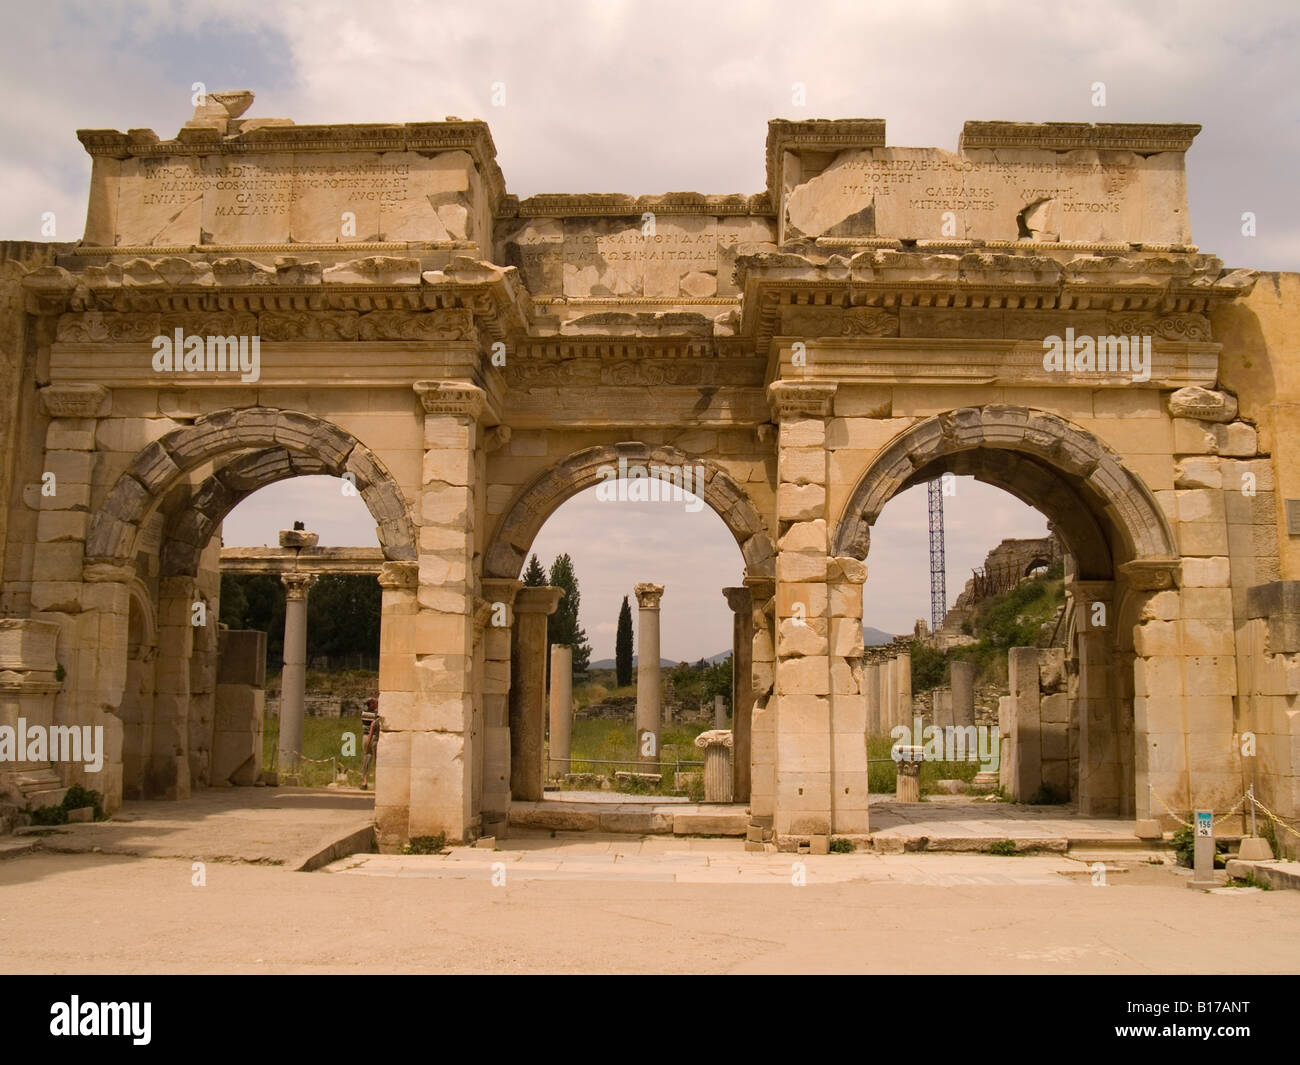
(611,96)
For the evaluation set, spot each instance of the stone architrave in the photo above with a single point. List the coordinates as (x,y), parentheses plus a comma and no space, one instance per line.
(293,677)
(561,707)
(647,671)
(716,744)
(963,693)
(528,690)
(741,602)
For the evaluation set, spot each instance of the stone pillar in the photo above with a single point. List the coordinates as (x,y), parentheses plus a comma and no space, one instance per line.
(1027,772)
(741,603)
(903,688)
(762,758)
(293,678)
(848,718)
(528,690)
(1094,633)
(647,671)
(963,693)
(561,707)
(427,694)
(941,707)
(717,764)
(498,638)
(888,703)
(238,707)
(873,699)
(805,758)
(719,712)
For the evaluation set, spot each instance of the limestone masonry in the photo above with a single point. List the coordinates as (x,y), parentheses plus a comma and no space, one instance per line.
(875,317)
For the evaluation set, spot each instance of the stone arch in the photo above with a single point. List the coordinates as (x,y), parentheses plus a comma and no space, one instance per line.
(1042,459)
(522,522)
(269,445)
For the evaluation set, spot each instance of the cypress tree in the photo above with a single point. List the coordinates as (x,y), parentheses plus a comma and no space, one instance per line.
(562,626)
(623,646)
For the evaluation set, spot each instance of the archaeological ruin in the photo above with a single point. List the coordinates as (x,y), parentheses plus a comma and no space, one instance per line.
(255,300)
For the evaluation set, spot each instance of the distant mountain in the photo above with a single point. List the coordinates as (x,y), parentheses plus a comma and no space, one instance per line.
(664,663)
(874,637)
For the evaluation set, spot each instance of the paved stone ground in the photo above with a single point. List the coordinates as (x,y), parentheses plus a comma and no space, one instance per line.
(268,825)
(673,906)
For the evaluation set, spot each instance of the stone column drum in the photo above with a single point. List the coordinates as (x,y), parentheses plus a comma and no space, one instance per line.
(717,764)
(293,678)
(561,707)
(647,670)
(528,690)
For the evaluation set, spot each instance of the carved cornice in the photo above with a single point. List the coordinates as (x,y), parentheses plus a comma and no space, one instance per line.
(451,397)
(1068,136)
(74,401)
(794,399)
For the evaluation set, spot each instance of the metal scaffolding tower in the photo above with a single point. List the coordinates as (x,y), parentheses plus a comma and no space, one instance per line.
(938,589)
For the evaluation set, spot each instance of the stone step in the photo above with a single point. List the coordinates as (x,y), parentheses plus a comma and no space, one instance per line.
(677,819)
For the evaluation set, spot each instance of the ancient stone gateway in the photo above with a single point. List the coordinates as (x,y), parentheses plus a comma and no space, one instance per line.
(254,300)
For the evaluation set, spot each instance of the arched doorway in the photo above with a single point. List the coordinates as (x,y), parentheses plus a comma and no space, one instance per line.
(1120,549)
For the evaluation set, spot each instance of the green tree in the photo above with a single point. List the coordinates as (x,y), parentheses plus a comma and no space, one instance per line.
(343,615)
(255,601)
(562,626)
(623,646)
(534,575)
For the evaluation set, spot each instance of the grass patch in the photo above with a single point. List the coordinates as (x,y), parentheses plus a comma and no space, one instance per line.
(426,844)
(75,798)
(882,776)
(322,738)
(1003,848)
(606,746)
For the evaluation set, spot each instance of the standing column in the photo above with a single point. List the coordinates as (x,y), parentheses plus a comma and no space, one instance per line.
(528,690)
(647,671)
(963,693)
(561,707)
(741,602)
(903,688)
(293,678)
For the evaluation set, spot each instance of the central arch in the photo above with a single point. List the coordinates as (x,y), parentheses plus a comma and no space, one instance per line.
(522,522)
